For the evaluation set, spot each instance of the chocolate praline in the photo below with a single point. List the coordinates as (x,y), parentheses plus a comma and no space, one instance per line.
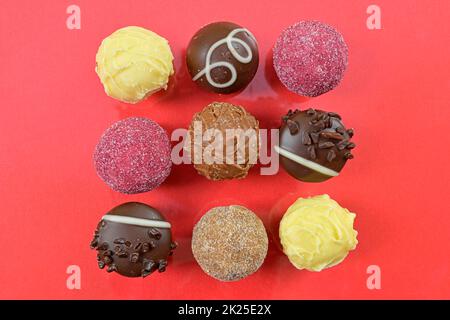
(314,144)
(222,57)
(229,123)
(134,240)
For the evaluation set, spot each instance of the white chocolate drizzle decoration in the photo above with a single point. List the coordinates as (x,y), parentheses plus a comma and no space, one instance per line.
(305,162)
(229,40)
(137,221)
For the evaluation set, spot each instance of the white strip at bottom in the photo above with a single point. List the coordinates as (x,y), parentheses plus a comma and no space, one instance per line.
(137,221)
(305,162)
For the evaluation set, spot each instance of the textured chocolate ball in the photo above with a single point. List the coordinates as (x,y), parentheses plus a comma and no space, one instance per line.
(133,156)
(314,144)
(230,130)
(134,240)
(310,58)
(222,57)
(229,243)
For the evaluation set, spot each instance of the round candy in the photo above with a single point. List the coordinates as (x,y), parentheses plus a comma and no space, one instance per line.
(133,155)
(132,63)
(317,233)
(310,58)
(134,240)
(212,144)
(314,145)
(229,243)
(222,57)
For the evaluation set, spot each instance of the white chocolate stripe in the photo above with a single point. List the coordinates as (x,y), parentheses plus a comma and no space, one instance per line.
(137,221)
(305,162)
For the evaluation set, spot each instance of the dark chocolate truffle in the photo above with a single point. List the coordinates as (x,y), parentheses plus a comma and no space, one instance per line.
(229,243)
(134,240)
(222,57)
(133,155)
(310,58)
(223,141)
(314,144)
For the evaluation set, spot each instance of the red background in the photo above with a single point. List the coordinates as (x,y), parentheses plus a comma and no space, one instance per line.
(395,94)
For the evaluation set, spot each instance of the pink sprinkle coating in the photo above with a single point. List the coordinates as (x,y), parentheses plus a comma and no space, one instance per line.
(310,58)
(133,155)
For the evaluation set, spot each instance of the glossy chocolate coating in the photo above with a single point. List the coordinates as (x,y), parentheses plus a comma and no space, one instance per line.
(318,136)
(132,250)
(219,70)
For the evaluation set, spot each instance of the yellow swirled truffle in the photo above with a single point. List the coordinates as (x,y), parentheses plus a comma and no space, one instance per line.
(132,63)
(317,233)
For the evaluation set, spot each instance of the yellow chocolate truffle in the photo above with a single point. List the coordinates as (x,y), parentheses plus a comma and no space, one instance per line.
(317,233)
(132,63)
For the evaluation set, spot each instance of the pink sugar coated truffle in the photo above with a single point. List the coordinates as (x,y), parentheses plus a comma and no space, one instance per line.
(310,58)
(133,155)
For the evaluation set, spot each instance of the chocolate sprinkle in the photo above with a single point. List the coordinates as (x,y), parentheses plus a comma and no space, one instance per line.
(314,137)
(331,155)
(119,241)
(348,155)
(350,132)
(331,135)
(107,260)
(334,115)
(111,268)
(154,233)
(108,253)
(326,145)
(134,257)
(148,264)
(342,144)
(306,139)
(293,126)
(312,152)
(94,243)
(162,265)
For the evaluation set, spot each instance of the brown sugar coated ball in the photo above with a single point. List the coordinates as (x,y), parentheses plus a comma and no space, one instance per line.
(229,243)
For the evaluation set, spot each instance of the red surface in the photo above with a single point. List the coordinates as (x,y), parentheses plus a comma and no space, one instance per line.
(395,94)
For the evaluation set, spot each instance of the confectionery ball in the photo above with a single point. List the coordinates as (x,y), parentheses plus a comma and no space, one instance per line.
(310,58)
(223,141)
(222,57)
(314,145)
(229,243)
(134,240)
(132,63)
(317,233)
(133,155)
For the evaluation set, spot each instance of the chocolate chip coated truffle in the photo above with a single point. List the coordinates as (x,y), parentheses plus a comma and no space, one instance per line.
(310,58)
(133,155)
(229,243)
(134,240)
(223,141)
(222,57)
(314,144)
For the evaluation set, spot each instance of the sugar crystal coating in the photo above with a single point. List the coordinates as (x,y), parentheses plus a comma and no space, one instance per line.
(133,155)
(229,243)
(310,58)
